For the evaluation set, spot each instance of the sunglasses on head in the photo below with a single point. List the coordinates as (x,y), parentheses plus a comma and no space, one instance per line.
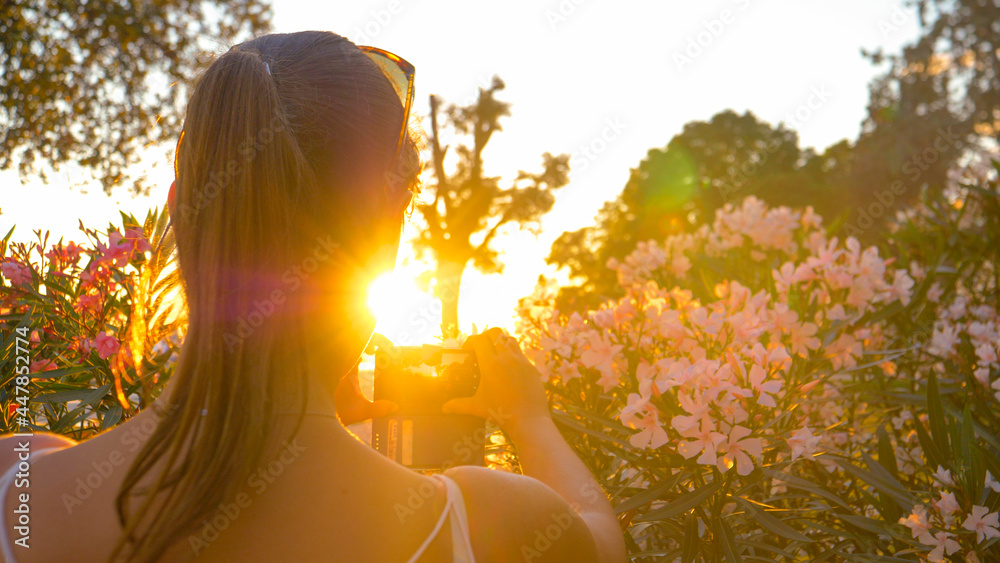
(400,75)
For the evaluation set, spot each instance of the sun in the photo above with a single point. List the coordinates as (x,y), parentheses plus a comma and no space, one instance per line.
(400,307)
(389,294)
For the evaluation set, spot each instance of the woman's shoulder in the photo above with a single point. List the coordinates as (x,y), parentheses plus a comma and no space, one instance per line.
(15,448)
(539,524)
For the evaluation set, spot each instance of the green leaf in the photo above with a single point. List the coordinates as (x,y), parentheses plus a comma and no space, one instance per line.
(57,373)
(828,555)
(764,547)
(880,479)
(6,238)
(886,454)
(973,472)
(690,544)
(647,496)
(568,421)
(8,343)
(886,462)
(938,422)
(874,526)
(682,504)
(889,510)
(85,396)
(728,543)
(930,449)
(771,523)
(794,482)
(111,416)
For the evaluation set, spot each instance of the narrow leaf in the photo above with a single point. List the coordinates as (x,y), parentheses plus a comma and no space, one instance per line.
(771,523)
(682,504)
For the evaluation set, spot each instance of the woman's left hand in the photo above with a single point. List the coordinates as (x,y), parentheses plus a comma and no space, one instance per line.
(353,406)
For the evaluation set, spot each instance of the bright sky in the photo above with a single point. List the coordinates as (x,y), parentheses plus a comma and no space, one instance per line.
(603,81)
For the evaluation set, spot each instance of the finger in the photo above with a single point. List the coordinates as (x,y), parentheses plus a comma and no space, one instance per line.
(377,341)
(470,341)
(494,334)
(484,349)
(382,407)
(461,405)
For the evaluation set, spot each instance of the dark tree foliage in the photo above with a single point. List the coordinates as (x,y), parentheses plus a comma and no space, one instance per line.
(705,166)
(465,210)
(92,82)
(937,100)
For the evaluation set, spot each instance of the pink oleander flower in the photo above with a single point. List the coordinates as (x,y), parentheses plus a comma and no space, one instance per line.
(64,254)
(42,365)
(784,277)
(902,286)
(88,302)
(783,319)
(803,443)
(17,273)
(935,292)
(942,543)
(738,449)
(943,340)
(568,371)
(704,441)
(137,239)
(861,293)
(803,338)
(837,313)
(992,483)
(642,415)
(764,389)
(918,525)
(947,506)
(844,352)
(983,522)
(117,252)
(106,345)
(987,354)
(601,354)
(943,477)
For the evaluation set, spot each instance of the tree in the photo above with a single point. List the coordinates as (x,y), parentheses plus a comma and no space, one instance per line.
(936,103)
(468,209)
(705,166)
(92,83)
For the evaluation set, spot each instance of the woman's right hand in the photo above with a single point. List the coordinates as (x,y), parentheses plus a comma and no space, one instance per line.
(510,388)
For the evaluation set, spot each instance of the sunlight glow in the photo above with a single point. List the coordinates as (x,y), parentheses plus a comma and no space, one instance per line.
(391,294)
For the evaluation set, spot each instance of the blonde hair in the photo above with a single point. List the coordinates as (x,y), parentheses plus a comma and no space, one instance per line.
(285,146)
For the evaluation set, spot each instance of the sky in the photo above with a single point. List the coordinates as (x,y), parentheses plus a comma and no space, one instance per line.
(602,81)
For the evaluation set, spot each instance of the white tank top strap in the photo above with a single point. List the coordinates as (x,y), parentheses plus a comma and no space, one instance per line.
(5,482)
(454,513)
(461,541)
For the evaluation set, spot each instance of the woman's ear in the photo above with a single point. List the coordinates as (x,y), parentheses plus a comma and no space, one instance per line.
(170,197)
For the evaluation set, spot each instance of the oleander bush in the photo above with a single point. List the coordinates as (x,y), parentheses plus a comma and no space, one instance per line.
(102,320)
(765,391)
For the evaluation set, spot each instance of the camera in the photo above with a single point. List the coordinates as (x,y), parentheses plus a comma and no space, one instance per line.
(420,379)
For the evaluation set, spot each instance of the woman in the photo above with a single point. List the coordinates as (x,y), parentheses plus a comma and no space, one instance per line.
(292,183)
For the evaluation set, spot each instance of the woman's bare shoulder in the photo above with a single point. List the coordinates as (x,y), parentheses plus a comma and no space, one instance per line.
(19,448)
(540,525)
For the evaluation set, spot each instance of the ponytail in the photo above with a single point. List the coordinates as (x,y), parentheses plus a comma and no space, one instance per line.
(241,173)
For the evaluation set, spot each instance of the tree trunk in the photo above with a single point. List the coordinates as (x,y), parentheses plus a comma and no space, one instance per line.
(449,283)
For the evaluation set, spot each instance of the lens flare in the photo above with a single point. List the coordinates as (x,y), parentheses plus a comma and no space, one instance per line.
(389,293)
